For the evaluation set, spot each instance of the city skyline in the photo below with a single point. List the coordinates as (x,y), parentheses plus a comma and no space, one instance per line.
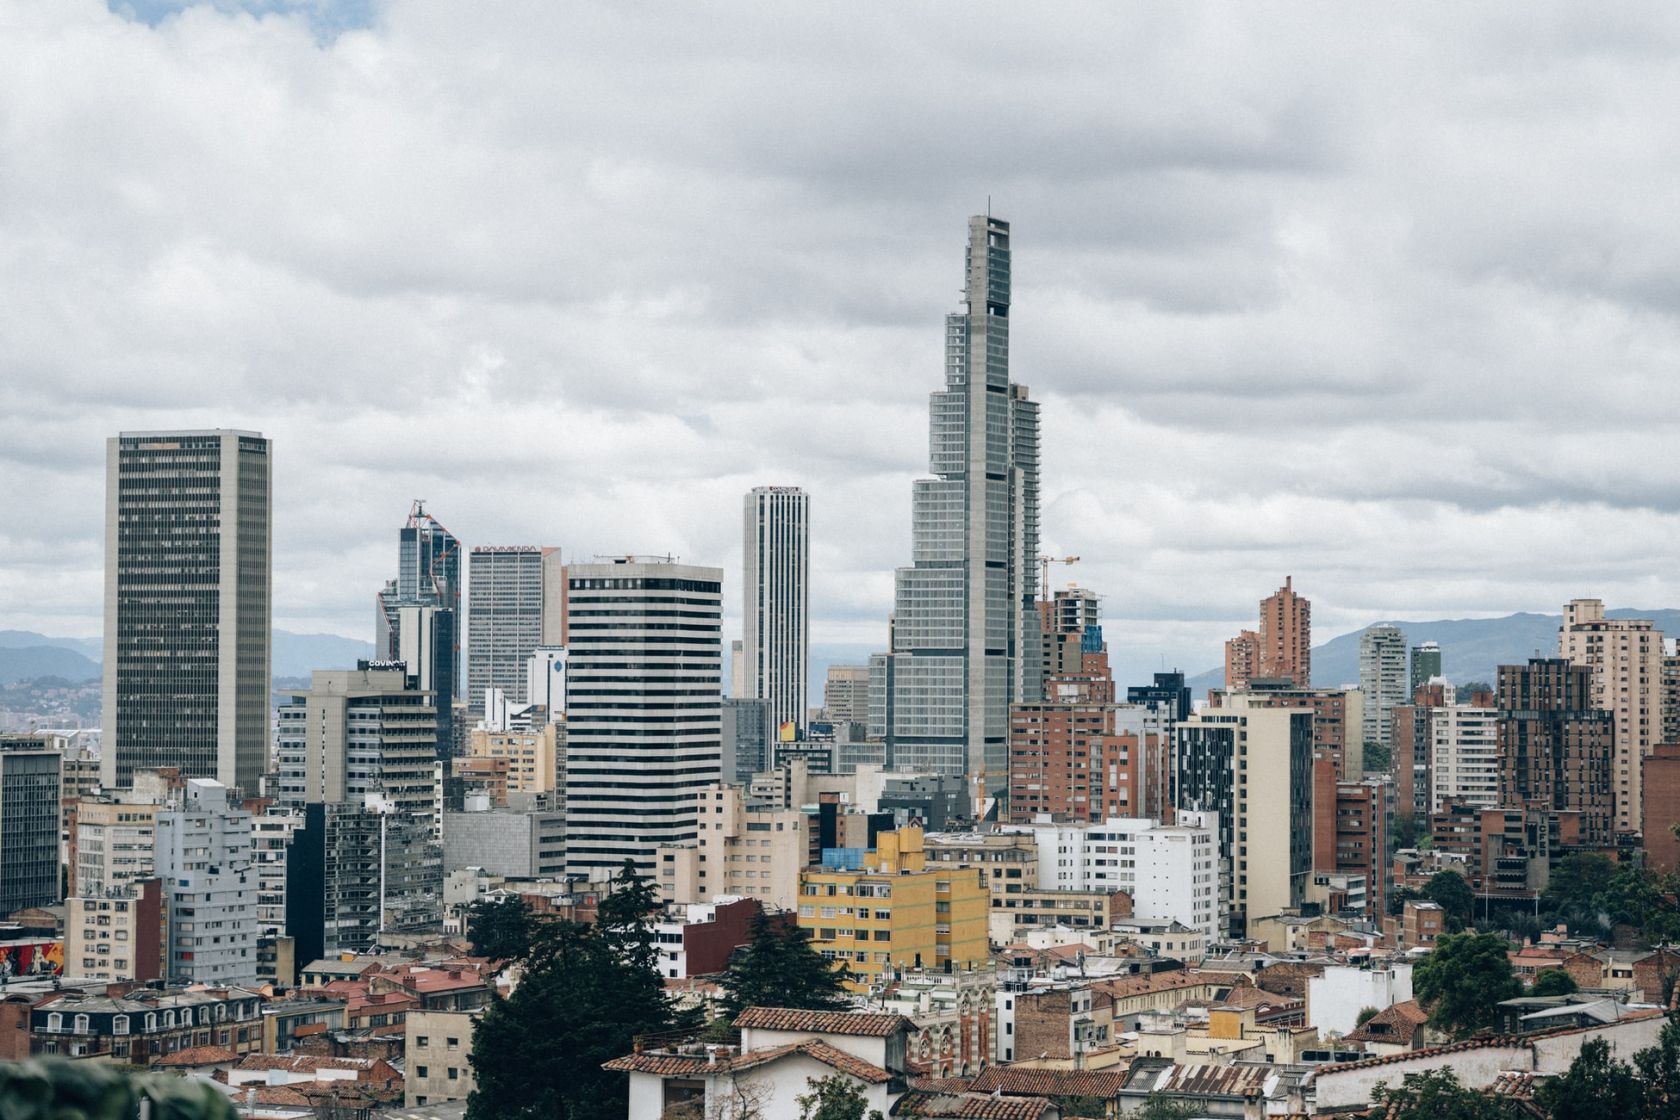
(1268,334)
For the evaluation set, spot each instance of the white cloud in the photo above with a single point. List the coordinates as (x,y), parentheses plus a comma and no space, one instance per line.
(1382,299)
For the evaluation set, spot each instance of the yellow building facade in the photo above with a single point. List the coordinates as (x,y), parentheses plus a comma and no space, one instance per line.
(895,912)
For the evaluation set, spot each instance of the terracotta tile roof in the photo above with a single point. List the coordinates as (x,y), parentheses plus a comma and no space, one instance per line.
(1022,1081)
(1519,1086)
(695,1065)
(199,1056)
(303,1063)
(855,1023)
(1489,1042)
(938,1084)
(970,1106)
(1403,1021)
(1122,986)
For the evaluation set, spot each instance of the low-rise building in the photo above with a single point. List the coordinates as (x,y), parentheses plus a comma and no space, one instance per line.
(436,1048)
(1335,998)
(697,939)
(118,935)
(138,1025)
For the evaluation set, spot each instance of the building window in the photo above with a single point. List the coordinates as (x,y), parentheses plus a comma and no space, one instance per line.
(422,1071)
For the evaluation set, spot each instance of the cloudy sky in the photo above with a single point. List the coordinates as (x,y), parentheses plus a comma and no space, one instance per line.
(1384,297)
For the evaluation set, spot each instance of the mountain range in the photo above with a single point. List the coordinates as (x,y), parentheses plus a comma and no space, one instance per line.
(1472,649)
(26,655)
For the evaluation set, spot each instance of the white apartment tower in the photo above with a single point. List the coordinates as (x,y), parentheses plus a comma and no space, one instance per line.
(209,888)
(187,605)
(776,615)
(643,671)
(1384,678)
(1463,756)
(966,639)
(1625,655)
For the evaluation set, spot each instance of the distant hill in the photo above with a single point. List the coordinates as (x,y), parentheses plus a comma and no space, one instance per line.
(1471,648)
(25,655)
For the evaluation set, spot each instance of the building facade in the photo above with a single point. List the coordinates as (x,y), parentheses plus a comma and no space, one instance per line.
(1626,659)
(209,888)
(743,850)
(776,606)
(1464,754)
(965,632)
(417,616)
(642,707)
(846,694)
(1383,678)
(30,783)
(1426,664)
(187,605)
(117,935)
(505,604)
(1556,748)
(1285,636)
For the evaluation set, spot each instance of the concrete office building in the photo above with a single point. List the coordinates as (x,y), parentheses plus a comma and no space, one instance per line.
(1626,659)
(1426,664)
(515,844)
(532,755)
(187,605)
(334,880)
(846,694)
(355,732)
(746,737)
(1556,748)
(965,630)
(644,735)
(1338,717)
(30,823)
(114,838)
(1383,676)
(507,597)
(776,608)
(209,888)
(1252,767)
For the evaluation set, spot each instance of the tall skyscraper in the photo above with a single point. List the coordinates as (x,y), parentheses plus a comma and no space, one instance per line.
(1382,678)
(418,615)
(1626,659)
(643,673)
(187,605)
(776,615)
(29,825)
(966,635)
(1426,664)
(1285,636)
(1556,746)
(507,596)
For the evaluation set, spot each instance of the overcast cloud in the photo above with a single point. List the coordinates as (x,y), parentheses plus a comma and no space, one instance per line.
(1383,297)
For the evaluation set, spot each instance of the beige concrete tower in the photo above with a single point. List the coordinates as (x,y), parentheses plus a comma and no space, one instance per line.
(1626,658)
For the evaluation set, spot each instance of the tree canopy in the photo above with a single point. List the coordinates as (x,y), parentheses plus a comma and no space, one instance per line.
(500,930)
(1451,893)
(585,993)
(1553,982)
(835,1097)
(1593,893)
(1436,1094)
(780,969)
(1463,980)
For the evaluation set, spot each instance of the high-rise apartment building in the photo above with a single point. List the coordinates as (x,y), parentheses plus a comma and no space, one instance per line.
(209,888)
(187,605)
(355,874)
(1285,636)
(846,694)
(114,839)
(1556,747)
(1626,659)
(355,732)
(29,825)
(965,633)
(1253,767)
(1242,659)
(1383,676)
(1411,735)
(1426,664)
(1671,697)
(417,617)
(507,599)
(745,848)
(643,674)
(1464,754)
(1338,716)
(776,611)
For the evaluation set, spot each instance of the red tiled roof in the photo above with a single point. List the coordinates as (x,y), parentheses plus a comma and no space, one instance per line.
(1518,1086)
(694,1065)
(199,1056)
(303,1063)
(1022,1081)
(970,1106)
(1404,1019)
(855,1023)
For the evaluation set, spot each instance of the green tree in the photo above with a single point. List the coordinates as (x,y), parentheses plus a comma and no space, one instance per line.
(1437,1095)
(1464,980)
(1594,1086)
(586,991)
(835,1097)
(1366,1014)
(1159,1107)
(1658,1068)
(1398,897)
(780,969)
(1553,982)
(1378,758)
(500,930)
(1405,833)
(1451,893)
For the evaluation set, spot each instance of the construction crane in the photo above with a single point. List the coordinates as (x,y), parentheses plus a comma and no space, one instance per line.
(1045,562)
